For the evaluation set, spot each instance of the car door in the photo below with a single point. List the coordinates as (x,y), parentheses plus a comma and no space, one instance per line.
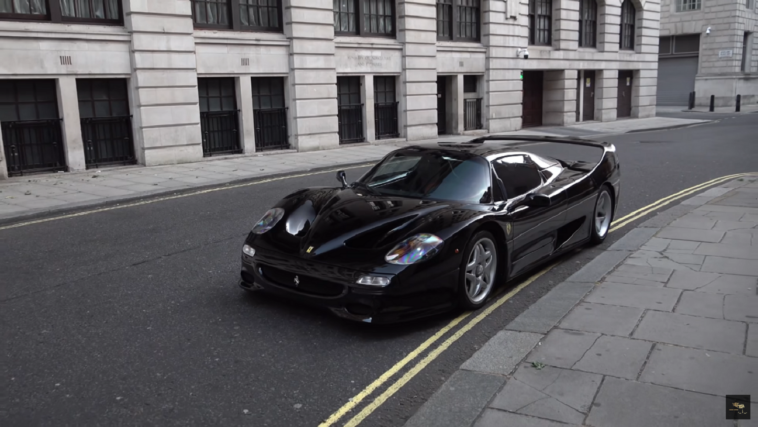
(535,228)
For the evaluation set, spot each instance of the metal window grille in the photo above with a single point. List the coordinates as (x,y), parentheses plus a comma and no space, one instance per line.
(218,116)
(458,19)
(445,19)
(350,109)
(588,23)
(23,9)
(210,13)
(90,10)
(270,114)
(33,146)
(468,19)
(540,22)
(378,16)
(345,16)
(385,108)
(260,14)
(628,18)
(687,5)
(108,141)
(472,114)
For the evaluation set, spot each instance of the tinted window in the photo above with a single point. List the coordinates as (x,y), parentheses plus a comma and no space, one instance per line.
(519,175)
(432,175)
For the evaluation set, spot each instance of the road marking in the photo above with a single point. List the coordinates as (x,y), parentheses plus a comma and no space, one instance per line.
(178,196)
(391,390)
(437,351)
(392,371)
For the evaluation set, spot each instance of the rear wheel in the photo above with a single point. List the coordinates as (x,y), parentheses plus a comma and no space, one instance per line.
(478,271)
(601,220)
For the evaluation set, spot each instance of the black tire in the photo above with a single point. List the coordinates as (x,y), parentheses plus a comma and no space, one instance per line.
(602,215)
(489,271)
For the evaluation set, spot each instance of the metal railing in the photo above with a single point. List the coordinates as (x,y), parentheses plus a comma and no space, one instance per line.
(385,118)
(271,129)
(472,114)
(220,131)
(351,123)
(33,146)
(108,141)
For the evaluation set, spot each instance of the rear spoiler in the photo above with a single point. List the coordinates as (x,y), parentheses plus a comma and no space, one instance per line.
(557,139)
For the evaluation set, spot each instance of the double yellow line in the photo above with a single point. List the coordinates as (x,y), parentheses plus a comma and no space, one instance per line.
(413,371)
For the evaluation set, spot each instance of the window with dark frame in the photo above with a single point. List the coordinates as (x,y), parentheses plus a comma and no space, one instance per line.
(469,84)
(102,98)
(588,23)
(238,15)
(458,20)
(540,22)
(270,114)
(364,17)
(25,100)
(350,108)
(219,123)
(94,11)
(628,20)
(385,107)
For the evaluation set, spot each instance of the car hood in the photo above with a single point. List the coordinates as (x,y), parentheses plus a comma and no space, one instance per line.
(351,224)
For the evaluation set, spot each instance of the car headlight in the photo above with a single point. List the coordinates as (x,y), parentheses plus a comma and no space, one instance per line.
(414,249)
(268,221)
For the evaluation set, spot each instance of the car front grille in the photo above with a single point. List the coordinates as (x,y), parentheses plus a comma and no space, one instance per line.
(305,284)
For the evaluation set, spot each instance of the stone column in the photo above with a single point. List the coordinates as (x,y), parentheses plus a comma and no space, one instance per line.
(417,30)
(71,126)
(566,24)
(367,99)
(3,161)
(609,21)
(309,24)
(606,95)
(164,82)
(559,97)
(456,104)
(647,27)
(644,86)
(502,84)
(247,119)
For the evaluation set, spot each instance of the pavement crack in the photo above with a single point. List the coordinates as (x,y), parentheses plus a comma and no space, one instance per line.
(125,267)
(585,351)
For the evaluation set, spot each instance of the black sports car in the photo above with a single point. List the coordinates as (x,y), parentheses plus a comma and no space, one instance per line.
(433,227)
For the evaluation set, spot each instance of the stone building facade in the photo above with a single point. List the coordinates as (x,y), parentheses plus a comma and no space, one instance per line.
(709,47)
(91,83)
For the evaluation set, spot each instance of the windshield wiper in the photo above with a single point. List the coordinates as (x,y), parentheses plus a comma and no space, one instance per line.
(363,186)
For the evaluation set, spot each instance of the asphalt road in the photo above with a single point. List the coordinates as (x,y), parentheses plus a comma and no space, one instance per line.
(133,316)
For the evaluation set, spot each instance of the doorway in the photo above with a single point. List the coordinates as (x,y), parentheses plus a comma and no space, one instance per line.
(532,99)
(588,104)
(624,99)
(441,105)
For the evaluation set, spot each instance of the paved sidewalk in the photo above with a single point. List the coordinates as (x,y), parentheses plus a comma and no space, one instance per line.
(35,194)
(744,109)
(653,332)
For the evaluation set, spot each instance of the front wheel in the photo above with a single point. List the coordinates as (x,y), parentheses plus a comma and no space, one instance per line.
(478,271)
(601,220)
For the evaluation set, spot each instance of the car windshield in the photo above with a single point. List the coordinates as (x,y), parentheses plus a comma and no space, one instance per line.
(433,175)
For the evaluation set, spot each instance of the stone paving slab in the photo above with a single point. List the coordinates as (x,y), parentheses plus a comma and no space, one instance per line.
(702,304)
(563,348)
(545,313)
(502,353)
(691,234)
(751,349)
(602,319)
(692,331)
(622,403)
(743,308)
(639,296)
(615,356)
(496,418)
(739,267)
(722,250)
(702,371)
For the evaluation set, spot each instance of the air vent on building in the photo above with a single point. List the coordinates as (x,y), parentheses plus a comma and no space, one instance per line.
(65,60)
(245,61)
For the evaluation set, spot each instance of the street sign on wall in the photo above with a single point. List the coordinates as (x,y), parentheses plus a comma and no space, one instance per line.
(726,53)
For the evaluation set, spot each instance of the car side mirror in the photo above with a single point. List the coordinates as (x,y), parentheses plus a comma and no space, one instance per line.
(342,178)
(538,201)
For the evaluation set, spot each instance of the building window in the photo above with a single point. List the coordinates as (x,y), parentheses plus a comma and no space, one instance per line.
(540,22)
(218,116)
(628,18)
(588,23)
(105,121)
(749,4)
(687,5)
(270,114)
(364,17)
(253,15)
(747,47)
(385,107)
(95,11)
(458,20)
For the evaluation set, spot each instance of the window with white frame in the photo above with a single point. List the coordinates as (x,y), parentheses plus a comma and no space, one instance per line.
(688,5)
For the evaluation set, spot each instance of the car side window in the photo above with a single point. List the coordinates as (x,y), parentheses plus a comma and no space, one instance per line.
(519,174)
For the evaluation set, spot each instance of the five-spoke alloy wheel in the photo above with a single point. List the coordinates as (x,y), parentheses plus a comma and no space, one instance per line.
(601,220)
(479,270)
